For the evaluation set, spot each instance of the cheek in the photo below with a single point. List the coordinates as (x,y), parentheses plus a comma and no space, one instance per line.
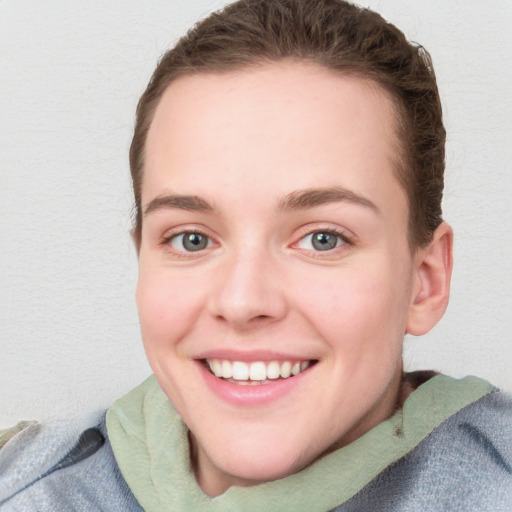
(167,307)
(356,309)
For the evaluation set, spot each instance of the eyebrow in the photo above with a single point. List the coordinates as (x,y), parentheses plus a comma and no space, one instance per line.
(181,202)
(296,200)
(312,197)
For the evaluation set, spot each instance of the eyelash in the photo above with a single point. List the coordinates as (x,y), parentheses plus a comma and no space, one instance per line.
(168,239)
(340,234)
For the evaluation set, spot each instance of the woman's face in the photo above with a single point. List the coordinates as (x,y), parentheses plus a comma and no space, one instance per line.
(275,272)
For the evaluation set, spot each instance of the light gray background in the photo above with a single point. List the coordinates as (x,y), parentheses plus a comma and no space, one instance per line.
(71,74)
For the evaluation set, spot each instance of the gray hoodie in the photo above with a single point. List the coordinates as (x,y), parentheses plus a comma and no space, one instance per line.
(448,449)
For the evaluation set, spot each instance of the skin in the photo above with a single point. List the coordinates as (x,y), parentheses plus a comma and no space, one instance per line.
(245,142)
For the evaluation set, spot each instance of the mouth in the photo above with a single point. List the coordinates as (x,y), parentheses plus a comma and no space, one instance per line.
(257,372)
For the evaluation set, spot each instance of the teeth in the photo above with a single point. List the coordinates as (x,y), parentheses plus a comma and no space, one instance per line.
(227,370)
(240,370)
(215,367)
(286,369)
(273,370)
(256,371)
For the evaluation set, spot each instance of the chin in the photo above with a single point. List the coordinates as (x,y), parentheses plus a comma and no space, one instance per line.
(258,470)
(258,461)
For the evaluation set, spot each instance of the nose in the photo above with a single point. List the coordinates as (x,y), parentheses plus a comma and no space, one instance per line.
(248,291)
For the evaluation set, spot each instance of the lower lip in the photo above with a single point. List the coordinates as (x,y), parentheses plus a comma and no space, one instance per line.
(250,395)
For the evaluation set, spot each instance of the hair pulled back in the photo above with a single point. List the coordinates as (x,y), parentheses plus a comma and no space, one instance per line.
(343,38)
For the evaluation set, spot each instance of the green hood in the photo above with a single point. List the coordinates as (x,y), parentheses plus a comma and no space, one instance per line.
(150,443)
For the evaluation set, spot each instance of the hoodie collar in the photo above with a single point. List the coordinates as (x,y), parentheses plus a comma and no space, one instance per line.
(150,443)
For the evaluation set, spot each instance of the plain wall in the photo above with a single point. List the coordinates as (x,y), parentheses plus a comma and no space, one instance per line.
(70,78)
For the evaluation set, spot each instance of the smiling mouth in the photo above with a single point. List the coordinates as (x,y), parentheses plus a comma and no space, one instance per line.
(257,372)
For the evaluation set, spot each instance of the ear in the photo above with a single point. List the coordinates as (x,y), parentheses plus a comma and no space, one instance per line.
(431,282)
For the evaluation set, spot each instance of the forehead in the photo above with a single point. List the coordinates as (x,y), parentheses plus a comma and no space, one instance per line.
(284,123)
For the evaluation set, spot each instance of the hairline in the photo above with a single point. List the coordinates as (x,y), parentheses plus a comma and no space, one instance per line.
(401,162)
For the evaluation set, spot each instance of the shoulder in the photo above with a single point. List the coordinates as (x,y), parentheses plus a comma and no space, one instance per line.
(481,435)
(478,436)
(487,426)
(465,463)
(9,433)
(61,466)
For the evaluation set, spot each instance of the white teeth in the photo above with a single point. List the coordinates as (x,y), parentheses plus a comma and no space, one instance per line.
(227,370)
(240,370)
(273,370)
(216,367)
(286,369)
(257,371)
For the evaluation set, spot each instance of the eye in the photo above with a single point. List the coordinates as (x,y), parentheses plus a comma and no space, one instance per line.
(322,241)
(189,241)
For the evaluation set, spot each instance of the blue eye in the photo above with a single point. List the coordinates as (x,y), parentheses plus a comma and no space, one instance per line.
(190,242)
(321,241)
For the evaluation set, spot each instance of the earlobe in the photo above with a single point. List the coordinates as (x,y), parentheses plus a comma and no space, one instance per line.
(431,286)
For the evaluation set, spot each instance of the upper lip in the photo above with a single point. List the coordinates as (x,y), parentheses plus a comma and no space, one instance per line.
(251,355)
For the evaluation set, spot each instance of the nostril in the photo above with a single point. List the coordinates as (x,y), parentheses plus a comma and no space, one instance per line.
(242,303)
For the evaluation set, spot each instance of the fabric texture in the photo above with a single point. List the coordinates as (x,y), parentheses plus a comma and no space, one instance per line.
(92,485)
(448,449)
(7,434)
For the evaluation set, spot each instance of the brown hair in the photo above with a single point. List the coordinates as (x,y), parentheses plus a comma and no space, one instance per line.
(341,37)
